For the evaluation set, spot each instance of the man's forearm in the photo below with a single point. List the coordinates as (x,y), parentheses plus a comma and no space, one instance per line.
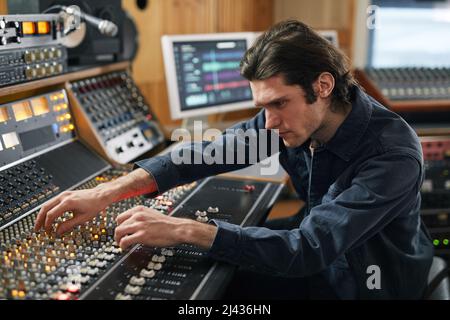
(135,183)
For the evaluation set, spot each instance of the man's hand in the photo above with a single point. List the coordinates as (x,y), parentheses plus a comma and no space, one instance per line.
(152,228)
(85,205)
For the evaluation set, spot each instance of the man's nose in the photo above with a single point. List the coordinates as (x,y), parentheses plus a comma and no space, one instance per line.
(272,120)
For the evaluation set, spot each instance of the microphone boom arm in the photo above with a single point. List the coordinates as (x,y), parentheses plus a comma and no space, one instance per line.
(105,27)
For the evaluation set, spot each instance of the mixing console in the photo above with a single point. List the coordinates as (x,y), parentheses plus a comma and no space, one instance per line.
(412,83)
(42,153)
(35,124)
(87,264)
(23,188)
(182,272)
(118,115)
(43,266)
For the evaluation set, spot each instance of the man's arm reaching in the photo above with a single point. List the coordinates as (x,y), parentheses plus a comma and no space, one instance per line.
(157,175)
(86,204)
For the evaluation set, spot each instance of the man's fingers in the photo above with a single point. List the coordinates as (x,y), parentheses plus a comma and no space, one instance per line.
(70,224)
(131,239)
(40,219)
(54,213)
(124,230)
(121,218)
(128,214)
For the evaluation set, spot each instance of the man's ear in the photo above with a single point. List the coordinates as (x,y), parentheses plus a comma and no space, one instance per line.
(324,85)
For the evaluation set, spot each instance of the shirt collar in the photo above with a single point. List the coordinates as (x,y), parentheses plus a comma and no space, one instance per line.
(349,134)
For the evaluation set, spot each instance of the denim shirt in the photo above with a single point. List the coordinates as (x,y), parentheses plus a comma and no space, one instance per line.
(362,190)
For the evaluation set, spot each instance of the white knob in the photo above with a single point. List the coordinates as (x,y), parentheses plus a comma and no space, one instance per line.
(121,296)
(199,213)
(167,252)
(132,290)
(157,258)
(202,219)
(147,273)
(137,281)
(154,266)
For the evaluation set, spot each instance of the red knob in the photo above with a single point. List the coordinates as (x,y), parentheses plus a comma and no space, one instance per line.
(249,188)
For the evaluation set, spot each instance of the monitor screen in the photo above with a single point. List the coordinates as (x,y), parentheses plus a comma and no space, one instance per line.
(203,73)
(410,33)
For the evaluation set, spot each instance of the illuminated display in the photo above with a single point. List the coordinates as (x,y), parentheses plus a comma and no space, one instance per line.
(4,115)
(209,73)
(67,128)
(31,125)
(64,117)
(28,28)
(43,27)
(10,140)
(57,96)
(40,106)
(22,111)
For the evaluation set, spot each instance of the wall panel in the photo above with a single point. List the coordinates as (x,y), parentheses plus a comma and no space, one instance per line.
(183,17)
(322,14)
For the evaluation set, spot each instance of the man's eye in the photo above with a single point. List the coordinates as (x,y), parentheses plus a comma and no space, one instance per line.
(280,104)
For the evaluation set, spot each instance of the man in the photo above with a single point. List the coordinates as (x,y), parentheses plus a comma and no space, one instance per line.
(357,165)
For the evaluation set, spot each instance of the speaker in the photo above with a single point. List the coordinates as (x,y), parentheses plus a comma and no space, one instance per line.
(95,48)
(129,38)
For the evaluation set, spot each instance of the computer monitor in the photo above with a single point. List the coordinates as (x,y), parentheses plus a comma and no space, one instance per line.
(203,73)
(409,33)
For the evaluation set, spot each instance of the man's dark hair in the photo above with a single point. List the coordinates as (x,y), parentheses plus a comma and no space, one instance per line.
(298,53)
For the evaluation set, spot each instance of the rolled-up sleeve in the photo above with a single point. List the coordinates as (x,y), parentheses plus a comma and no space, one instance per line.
(162,170)
(383,188)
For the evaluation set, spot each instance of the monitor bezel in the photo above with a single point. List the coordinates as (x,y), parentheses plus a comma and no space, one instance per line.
(171,75)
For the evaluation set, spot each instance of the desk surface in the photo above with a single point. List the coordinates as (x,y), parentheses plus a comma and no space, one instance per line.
(268,170)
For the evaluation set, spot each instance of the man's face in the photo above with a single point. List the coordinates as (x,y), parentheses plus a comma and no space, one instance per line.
(286,109)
